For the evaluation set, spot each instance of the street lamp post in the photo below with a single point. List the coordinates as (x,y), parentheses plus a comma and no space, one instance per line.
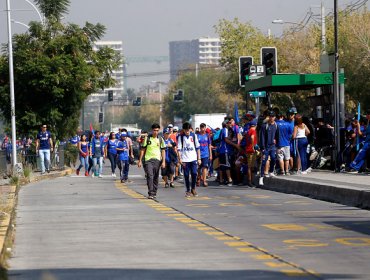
(11,84)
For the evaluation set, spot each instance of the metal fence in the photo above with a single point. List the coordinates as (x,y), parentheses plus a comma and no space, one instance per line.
(29,159)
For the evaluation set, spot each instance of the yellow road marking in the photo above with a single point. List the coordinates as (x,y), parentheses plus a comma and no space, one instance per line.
(275,264)
(262,257)
(198,205)
(265,204)
(257,196)
(197,225)
(224,237)
(287,227)
(214,233)
(176,215)
(231,204)
(296,243)
(204,228)
(355,241)
(318,226)
(199,198)
(248,250)
(237,243)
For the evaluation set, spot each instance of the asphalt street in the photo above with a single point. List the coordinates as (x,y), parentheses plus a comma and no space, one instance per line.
(89,228)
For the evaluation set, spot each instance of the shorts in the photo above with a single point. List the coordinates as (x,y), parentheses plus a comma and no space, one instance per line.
(251,159)
(169,169)
(283,153)
(205,163)
(224,161)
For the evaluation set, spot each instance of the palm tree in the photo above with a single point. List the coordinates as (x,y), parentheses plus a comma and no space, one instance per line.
(53,9)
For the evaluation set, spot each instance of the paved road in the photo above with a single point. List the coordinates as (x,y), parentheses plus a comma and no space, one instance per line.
(84,228)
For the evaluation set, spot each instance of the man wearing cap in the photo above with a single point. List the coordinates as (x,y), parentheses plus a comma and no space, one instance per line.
(123,151)
(283,151)
(171,159)
(269,139)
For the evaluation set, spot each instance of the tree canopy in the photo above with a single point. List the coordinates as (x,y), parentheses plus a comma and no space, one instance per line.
(55,69)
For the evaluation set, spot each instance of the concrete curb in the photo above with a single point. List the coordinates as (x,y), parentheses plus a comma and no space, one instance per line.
(327,192)
(6,227)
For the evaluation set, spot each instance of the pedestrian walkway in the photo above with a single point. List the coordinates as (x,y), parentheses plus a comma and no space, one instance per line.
(344,188)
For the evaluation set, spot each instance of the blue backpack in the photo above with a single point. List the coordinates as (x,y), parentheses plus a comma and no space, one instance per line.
(216,139)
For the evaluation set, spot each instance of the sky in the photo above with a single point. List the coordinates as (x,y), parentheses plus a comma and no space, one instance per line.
(147,26)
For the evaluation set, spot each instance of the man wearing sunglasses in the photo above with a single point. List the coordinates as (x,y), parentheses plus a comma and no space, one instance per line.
(44,146)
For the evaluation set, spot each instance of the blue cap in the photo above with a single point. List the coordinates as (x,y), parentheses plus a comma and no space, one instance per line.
(253,122)
(166,130)
(123,134)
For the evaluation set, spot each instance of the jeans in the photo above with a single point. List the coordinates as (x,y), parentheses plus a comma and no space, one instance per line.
(269,151)
(96,161)
(84,162)
(125,167)
(45,159)
(190,168)
(359,160)
(113,161)
(302,151)
(152,168)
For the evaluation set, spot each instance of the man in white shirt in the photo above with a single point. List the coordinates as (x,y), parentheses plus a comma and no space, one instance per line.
(189,157)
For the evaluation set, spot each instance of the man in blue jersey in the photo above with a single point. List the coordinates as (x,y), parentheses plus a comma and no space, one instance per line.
(123,151)
(44,146)
(97,152)
(171,159)
(283,151)
(205,154)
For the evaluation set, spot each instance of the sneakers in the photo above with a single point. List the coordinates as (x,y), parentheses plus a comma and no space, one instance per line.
(251,185)
(194,192)
(304,173)
(48,170)
(100,176)
(77,172)
(260,182)
(187,194)
(123,181)
(113,175)
(150,196)
(272,174)
(287,173)
(205,184)
(172,185)
(266,175)
(86,173)
(352,171)
(166,185)
(230,183)
(309,169)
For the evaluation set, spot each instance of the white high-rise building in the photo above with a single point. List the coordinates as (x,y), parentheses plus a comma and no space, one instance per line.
(186,53)
(118,89)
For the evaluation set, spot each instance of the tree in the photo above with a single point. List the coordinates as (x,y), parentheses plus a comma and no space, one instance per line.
(55,69)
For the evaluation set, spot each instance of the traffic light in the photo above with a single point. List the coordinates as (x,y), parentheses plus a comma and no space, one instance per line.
(110,95)
(179,96)
(136,102)
(101,117)
(269,59)
(244,63)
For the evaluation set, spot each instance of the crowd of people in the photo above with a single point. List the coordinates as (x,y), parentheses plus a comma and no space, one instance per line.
(270,145)
(273,144)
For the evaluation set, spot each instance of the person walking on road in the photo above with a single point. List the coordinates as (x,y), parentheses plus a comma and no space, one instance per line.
(123,150)
(112,152)
(97,153)
(83,148)
(153,152)
(205,154)
(44,146)
(171,160)
(300,133)
(189,157)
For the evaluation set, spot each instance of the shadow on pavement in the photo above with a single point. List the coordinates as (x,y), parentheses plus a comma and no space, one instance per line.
(162,274)
(357,226)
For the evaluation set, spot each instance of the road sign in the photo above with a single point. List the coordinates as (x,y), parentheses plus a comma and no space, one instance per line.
(256,71)
(255,94)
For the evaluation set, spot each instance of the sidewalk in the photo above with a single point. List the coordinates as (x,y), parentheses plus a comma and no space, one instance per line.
(8,201)
(343,188)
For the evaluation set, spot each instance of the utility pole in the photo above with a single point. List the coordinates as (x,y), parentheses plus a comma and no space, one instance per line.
(336,88)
